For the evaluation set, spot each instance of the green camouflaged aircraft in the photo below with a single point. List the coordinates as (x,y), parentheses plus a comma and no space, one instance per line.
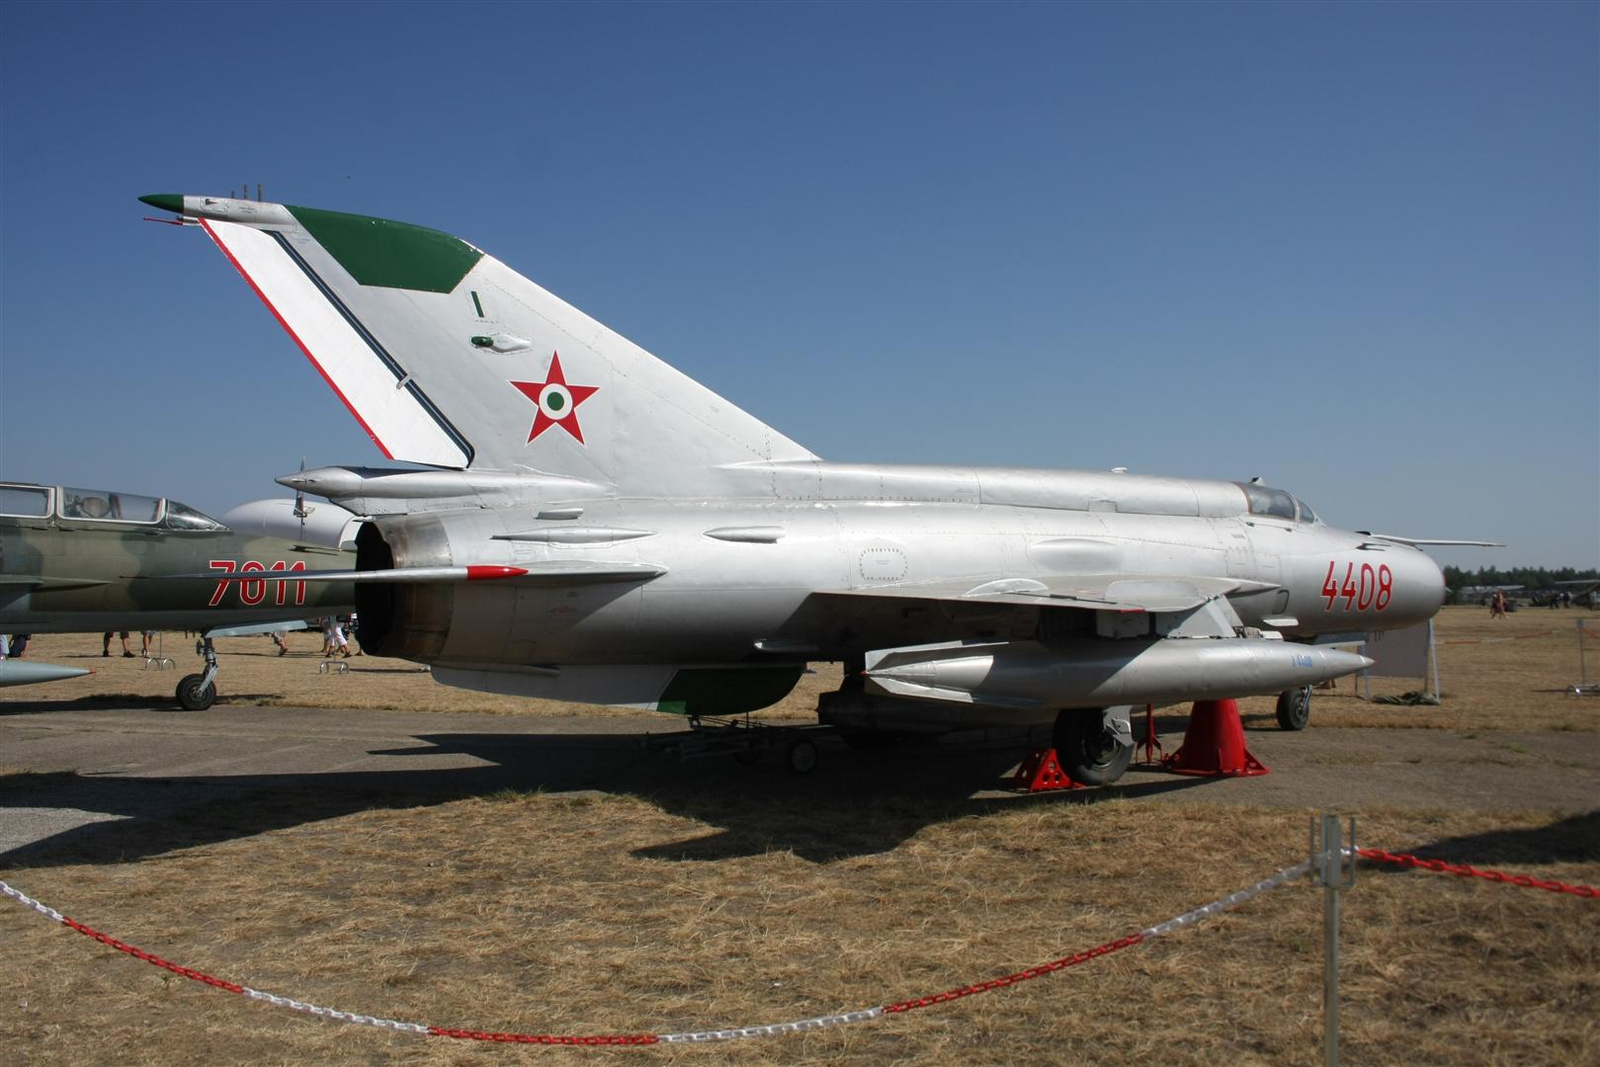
(90,561)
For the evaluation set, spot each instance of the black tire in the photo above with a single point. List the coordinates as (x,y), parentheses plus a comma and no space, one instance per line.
(747,757)
(803,757)
(1294,708)
(192,696)
(1089,752)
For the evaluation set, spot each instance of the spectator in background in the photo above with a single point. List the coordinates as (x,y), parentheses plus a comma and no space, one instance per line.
(333,639)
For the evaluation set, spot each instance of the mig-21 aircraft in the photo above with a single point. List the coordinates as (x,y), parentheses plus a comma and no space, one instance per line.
(593,525)
(90,560)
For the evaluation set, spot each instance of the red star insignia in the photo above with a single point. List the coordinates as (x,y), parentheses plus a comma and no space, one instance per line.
(557,401)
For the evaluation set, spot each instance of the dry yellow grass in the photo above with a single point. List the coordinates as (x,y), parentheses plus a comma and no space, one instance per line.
(1510,674)
(606,912)
(572,914)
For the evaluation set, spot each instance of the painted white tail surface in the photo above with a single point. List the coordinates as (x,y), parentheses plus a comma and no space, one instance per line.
(450,358)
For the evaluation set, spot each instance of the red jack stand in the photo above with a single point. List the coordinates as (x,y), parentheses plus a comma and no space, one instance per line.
(1147,740)
(1041,773)
(1213,746)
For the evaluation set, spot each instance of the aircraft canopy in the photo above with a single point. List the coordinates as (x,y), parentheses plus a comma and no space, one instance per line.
(1264,500)
(32,501)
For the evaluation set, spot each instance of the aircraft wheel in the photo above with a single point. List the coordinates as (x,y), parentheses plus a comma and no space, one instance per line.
(192,696)
(1294,708)
(1089,752)
(803,757)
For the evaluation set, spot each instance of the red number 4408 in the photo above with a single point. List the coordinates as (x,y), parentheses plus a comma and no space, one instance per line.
(1370,587)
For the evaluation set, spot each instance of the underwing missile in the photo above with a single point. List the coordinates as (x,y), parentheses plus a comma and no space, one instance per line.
(22,672)
(1104,673)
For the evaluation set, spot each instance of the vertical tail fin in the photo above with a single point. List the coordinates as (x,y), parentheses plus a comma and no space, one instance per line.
(450,358)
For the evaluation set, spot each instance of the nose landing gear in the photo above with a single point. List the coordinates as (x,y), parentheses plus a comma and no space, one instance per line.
(197,692)
(1294,708)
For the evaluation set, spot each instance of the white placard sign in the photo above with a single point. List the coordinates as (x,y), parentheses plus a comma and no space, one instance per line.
(1398,653)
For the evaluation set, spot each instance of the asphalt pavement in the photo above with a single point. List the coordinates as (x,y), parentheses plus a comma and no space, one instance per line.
(71,774)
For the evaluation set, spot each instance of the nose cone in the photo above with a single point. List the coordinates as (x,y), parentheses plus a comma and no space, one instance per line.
(323,481)
(1336,663)
(1419,586)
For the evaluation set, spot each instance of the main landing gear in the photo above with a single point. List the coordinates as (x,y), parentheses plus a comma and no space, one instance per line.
(197,692)
(1093,745)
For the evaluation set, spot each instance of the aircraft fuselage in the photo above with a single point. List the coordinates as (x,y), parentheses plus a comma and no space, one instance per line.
(61,573)
(743,577)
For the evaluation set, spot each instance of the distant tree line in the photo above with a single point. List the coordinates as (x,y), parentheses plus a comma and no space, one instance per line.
(1530,578)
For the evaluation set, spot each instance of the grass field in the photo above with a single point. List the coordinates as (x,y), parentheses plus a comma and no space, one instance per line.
(602,912)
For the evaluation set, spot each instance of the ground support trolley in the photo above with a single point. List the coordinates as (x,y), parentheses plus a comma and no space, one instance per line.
(745,739)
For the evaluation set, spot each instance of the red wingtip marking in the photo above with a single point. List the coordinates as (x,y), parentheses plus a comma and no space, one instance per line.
(481,571)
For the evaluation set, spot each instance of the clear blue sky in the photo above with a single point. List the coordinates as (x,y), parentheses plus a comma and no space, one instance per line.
(1350,248)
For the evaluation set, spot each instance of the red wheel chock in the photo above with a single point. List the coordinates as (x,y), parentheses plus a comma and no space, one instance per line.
(1041,773)
(1213,745)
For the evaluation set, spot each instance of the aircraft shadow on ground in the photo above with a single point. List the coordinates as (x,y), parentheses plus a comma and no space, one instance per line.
(123,702)
(1574,839)
(855,803)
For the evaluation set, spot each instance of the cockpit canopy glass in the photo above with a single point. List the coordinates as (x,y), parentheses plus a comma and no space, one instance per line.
(28,501)
(183,517)
(1264,500)
(108,507)
(99,505)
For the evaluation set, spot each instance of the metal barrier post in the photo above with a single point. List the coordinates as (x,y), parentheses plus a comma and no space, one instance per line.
(1433,655)
(1583,688)
(1334,863)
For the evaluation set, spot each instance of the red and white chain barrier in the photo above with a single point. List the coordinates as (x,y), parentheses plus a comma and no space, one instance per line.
(1181,922)
(1377,855)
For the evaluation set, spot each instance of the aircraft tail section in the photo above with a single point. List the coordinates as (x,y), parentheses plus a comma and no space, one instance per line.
(448,357)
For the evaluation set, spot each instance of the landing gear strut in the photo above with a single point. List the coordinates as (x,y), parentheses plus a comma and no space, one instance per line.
(1093,745)
(197,692)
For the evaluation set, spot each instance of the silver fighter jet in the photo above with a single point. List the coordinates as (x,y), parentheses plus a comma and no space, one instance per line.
(595,526)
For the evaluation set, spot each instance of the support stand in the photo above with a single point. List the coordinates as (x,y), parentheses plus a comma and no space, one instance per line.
(1213,745)
(1151,743)
(159,661)
(1041,772)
